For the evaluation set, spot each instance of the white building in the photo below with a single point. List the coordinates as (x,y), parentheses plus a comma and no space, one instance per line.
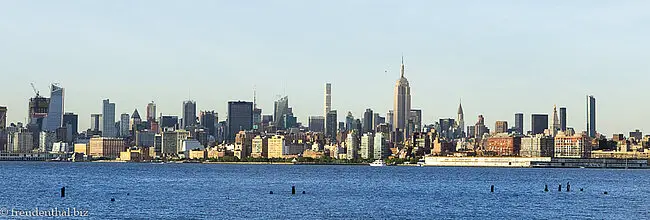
(367,146)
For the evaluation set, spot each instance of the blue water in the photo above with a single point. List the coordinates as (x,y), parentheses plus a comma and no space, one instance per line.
(214,191)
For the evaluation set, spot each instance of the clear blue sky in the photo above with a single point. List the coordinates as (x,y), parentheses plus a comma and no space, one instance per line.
(500,57)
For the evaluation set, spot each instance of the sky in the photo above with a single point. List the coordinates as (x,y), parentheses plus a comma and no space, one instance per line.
(498,57)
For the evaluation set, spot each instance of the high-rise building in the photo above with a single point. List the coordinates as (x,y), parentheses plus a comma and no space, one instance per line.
(591,116)
(257,118)
(367,146)
(381,148)
(539,123)
(240,117)
(38,109)
(377,120)
(209,120)
(151,111)
(71,121)
(501,127)
(415,117)
(368,121)
(563,118)
(480,128)
(108,118)
(331,126)
(352,145)
(519,123)
(555,126)
(3,117)
(460,120)
(136,120)
(96,122)
(349,120)
(327,107)
(576,146)
(54,118)
(124,125)
(401,103)
(537,146)
(189,114)
(168,122)
(316,123)
(280,108)
(390,116)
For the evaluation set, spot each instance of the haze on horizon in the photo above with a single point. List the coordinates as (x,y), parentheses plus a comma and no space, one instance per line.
(499,57)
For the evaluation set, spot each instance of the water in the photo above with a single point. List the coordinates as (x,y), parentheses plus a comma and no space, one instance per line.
(211,191)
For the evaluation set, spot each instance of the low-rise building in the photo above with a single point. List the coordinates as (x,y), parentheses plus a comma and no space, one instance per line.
(504,145)
(106,147)
(198,154)
(576,146)
(260,147)
(537,146)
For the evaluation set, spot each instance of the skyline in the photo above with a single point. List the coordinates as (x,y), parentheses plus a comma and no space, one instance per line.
(141,55)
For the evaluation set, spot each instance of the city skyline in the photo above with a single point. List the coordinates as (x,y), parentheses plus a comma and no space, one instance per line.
(511,63)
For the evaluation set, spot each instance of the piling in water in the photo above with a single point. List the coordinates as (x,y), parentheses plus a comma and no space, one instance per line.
(271,193)
(545,188)
(580,189)
(605,193)
(62,192)
(568,187)
(559,188)
(303,192)
(112,199)
(492,188)
(293,189)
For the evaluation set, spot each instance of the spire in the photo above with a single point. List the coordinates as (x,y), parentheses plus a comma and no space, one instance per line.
(402,67)
(460,107)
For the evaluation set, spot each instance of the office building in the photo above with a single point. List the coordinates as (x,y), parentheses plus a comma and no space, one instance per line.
(151,111)
(3,117)
(563,118)
(331,125)
(108,118)
(519,123)
(71,122)
(54,118)
(168,122)
(539,123)
(368,121)
(401,104)
(243,144)
(260,147)
(460,120)
(576,146)
(316,123)
(327,107)
(38,109)
(240,117)
(537,146)
(124,125)
(501,127)
(637,135)
(106,147)
(381,147)
(504,145)
(591,116)
(189,114)
(480,128)
(280,108)
(209,120)
(367,149)
(555,124)
(415,118)
(96,122)
(136,121)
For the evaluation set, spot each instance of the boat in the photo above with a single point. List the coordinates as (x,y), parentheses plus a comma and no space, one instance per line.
(378,163)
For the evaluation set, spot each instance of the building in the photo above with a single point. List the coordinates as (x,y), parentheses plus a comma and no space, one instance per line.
(135,155)
(124,124)
(331,123)
(243,144)
(380,146)
(637,135)
(316,123)
(352,145)
(82,148)
(280,109)
(189,114)
(54,118)
(519,123)
(279,146)
(576,146)
(504,145)
(460,121)
(349,120)
(446,127)
(480,128)
(257,118)
(209,120)
(3,117)
(46,140)
(401,104)
(145,138)
(390,116)
(21,141)
(168,122)
(136,120)
(555,125)
(96,122)
(441,146)
(240,117)
(415,118)
(562,118)
(38,109)
(367,149)
(106,147)
(172,141)
(260,147)
(327,107)
(377,120)
(71,122)
(591,116)
(501,127)
(537,146)
(539,123)
(368,121)
(151,111)
(108,120)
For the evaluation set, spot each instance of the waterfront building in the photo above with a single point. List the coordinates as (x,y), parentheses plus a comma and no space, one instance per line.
(501,127)
(106,147)
(240,118)
(260,147)
(504,145)
(243,144)
(316,123)
(124,125)
(151,112)
(352,145)
(280,146)
(537,146)
(45,140)
(108,120)
(21,141)
(189,114)
(519,123)
(172,141)
(82,149)
(576,146)
(367,146)
(591,116)
(539,123)
(368,121)
(54,118)
(3,117)
(401,104)
(380,146)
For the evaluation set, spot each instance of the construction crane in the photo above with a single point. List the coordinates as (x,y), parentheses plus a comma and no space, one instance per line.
(35,91)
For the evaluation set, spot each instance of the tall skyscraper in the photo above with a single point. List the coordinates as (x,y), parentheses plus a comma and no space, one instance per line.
(519,123)
(135,120)
(108,116)
(539,123)
(367,121)
(555,126)
(151,111)
(331,125)
(3,117)
(168,122)
(71,121)
(240,117)
(38,108)
(591,116)
(415,118)
(96,122)
(328,104)
(209,120)
(189,113)
(460,119)
(280,109)
(562,118)
(54,118)
(401,103)
(390,116)
(349,121)
(316,123)
(124,125)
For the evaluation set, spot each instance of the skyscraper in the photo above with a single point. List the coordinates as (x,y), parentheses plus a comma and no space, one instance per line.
(331,124)
(519,123)
(240,117)
(539,123)
(562,118)
(591,116)
(501,127)
(209,120)
(401,103)
(390,116)
(555,126)
(460,119)
(108,122)
(124,125)
(328,100)
(135,120)
(415,117)
(96,122)
(367,121)
(151,112)
(71,121)
(280,108)
(189,113)
(349,121)
(316,123)
(38,108)
(3,117)
(54,118)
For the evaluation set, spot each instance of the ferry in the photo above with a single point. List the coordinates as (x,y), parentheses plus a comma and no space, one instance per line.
(378,163)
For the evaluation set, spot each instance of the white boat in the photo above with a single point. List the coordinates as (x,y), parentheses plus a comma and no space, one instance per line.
(378,163)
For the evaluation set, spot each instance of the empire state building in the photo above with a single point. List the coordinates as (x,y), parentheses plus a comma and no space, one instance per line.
(402,103)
